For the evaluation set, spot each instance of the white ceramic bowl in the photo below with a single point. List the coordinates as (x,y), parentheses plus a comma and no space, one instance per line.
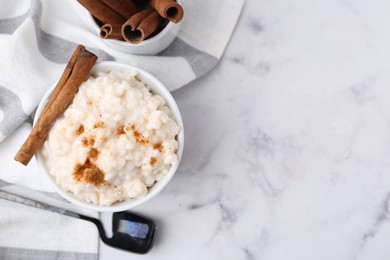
(156,87)
(150,46)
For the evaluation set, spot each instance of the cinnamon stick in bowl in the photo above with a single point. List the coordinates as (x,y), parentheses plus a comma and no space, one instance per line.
(111,31)
(102,11)
(134,21)
(126,8)
(74,74)
(168,9)
(141,25)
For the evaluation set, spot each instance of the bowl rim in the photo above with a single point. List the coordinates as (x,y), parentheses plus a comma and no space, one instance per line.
(158,186)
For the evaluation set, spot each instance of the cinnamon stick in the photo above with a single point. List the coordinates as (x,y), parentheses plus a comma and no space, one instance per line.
(111,31)
(149,25)
(134,21)
(168,9)
(102,11)
(126,8)
(64,77)
(82,65)
(141,25)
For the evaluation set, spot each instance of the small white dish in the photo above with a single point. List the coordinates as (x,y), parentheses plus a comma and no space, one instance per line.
(151,46)
(155,86)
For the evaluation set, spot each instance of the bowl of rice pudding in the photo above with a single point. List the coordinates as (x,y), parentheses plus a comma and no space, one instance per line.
(119,142)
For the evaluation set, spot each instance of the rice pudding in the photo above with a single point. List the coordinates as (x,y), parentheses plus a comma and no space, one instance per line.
(113,142)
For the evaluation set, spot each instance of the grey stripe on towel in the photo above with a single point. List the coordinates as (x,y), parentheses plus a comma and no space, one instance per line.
(3,183)
(36,254)
(55,49)
(11,107)
(200,62)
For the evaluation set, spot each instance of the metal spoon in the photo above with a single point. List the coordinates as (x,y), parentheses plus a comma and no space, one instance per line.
(131,232)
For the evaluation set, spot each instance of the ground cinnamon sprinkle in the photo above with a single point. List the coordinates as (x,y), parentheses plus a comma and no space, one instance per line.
(158,146)
(88,141)
(120,131)
(153,161)
(143,140)
(80,130)
(139,138)
(84,141)
(93,154)
(88,173)
(99,124)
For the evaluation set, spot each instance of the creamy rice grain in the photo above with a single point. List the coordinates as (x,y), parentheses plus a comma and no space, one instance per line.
(113,142)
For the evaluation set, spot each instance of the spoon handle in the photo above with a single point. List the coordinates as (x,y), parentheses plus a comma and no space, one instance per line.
(39,205)
(44,206)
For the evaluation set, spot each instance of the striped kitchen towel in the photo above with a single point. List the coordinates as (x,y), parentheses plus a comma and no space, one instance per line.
(37,38)
(30,233)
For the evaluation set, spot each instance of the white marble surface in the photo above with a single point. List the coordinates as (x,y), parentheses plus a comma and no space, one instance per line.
(287,141)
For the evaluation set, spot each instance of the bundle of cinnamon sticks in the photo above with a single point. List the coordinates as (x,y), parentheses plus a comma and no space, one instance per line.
(74,74)
(133,21)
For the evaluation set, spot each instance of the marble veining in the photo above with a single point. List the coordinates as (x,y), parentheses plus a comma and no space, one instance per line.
(255,25)
(287,141)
